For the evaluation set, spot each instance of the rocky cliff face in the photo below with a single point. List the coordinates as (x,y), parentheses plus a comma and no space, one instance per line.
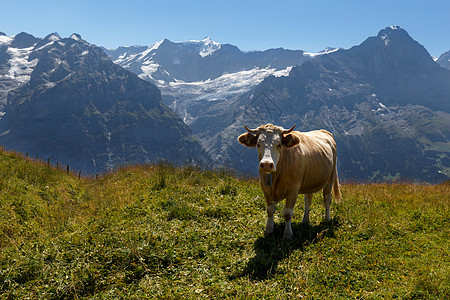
(444,60)
(79,108)
(386,102)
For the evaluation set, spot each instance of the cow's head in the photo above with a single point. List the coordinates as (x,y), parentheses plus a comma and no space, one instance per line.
(269,140)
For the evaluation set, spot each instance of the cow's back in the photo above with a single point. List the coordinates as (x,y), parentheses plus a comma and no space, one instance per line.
(310,164)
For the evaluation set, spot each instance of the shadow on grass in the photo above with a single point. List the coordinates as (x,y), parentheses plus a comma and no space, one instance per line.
(272,249)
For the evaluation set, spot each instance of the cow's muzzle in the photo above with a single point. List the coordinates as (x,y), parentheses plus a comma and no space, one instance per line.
(267,166)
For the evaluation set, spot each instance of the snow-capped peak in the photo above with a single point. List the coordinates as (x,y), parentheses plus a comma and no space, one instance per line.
(76,37)
(395,27)
(209,47)
(153,47)
(53,37)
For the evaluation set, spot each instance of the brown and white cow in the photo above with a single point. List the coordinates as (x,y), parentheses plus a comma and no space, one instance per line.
(292,163)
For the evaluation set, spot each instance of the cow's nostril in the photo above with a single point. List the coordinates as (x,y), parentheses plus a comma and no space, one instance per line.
(266,165)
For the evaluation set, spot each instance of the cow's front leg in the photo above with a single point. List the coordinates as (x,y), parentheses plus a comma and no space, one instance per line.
(287,213)
(270,213)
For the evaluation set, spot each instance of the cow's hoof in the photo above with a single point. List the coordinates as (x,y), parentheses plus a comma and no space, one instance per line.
(288,237)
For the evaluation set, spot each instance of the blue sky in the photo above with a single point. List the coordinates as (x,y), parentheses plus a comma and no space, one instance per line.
(251,25)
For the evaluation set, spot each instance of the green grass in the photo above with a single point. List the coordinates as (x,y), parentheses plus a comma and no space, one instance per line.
(164,232)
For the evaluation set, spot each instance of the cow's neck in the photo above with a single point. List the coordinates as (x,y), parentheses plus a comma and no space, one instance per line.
(271,190)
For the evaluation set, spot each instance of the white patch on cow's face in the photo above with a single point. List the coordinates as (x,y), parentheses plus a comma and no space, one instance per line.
(269,150)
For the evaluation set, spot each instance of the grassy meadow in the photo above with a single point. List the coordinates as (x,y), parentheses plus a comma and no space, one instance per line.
(181,233)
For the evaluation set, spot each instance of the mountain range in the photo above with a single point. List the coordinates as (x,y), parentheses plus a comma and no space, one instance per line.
(192,75)
(67,101)
(386,102)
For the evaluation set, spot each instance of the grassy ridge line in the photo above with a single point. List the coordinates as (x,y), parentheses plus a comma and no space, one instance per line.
(164,232)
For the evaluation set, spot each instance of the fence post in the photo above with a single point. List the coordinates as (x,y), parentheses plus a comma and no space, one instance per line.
(57,165)
(67,169)
(79,175)
(48,162)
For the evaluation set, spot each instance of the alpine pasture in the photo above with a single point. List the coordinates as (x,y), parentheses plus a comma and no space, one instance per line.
(158,231)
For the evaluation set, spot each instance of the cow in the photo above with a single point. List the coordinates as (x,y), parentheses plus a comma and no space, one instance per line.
(292,163)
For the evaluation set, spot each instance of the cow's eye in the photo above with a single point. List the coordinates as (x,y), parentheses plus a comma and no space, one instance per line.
(258,145)
(279,146)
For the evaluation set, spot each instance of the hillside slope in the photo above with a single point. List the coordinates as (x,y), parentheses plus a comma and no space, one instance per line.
(180,232)
(77,107)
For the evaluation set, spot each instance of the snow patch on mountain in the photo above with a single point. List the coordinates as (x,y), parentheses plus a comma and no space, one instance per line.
(209,47)
(225,85)
(155,46)
(20,67)
(148,68)
(323,52)
(53,37)
(75,37)
(385,38)
(5,40)
(223,88)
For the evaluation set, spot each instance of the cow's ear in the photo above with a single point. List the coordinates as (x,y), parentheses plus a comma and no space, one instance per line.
(290,140)
(248,139)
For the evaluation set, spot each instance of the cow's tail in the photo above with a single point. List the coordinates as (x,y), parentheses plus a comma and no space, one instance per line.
(336,186)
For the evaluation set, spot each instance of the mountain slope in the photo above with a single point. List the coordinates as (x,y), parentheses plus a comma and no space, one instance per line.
(16,64)
(80,108)
(192,74)
(444,60)
(386,102)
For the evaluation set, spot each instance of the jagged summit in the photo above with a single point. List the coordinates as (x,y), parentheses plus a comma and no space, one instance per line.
(207,39)
(444,60)
(52,37)
(23,40)
(393,34)
(394,48)
(76,37)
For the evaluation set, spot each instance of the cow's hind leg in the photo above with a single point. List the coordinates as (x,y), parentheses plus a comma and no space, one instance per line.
(287,213)
(327,203)
(327,199)
(308,200)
